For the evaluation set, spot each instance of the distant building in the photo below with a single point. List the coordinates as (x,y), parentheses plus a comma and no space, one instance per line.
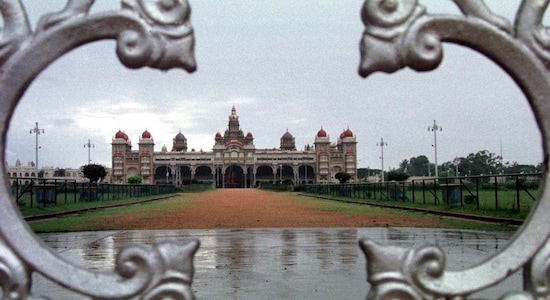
(234,161)
(26,173)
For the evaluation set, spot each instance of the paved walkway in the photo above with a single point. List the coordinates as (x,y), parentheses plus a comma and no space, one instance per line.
(277,263)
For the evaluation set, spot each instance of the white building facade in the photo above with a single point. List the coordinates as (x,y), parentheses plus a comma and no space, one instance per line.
(26,173)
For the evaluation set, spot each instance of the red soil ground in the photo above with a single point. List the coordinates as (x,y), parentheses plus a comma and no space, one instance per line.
(251,208)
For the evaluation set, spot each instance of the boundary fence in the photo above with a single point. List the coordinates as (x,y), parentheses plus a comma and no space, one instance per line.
(516,192)
(43,192)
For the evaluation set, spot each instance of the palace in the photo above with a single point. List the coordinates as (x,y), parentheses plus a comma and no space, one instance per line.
(234,161)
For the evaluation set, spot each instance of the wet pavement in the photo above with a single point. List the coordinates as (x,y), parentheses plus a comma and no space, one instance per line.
(278,263)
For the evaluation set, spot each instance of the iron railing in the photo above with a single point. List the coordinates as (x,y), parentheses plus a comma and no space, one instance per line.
(516,192)
(43,192)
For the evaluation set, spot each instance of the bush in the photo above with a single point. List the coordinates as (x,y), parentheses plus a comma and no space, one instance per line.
(343,177)
(396,176)
(288,182)
(189,181)
(94,172)
(136,179)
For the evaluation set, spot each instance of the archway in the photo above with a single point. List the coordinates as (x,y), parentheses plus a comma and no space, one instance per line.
(306,175)
(263,174)
(284,172)
(163,175)
(234,177)
(203,173)
(185,175)
(132,171)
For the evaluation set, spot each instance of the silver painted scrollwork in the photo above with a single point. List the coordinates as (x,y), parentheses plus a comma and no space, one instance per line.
(401,33)
(151,33)
(14,277)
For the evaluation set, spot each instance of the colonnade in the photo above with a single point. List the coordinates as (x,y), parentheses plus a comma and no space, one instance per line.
(230,175)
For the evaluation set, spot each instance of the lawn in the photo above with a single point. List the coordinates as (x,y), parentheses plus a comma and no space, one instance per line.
(486,201)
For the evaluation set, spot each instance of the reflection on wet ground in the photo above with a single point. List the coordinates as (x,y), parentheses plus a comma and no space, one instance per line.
(280,263)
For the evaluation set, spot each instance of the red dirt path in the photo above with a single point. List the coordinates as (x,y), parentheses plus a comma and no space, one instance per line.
(252,208)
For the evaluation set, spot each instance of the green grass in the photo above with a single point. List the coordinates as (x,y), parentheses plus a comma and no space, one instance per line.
(507,204)
(36,210)
(505,200)
(346,208)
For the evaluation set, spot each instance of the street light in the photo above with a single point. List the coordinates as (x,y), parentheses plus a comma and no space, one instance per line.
(382,144)
(435,128)
(37,131)
(89,145)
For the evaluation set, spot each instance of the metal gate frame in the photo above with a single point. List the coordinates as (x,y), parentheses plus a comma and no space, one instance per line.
(158,34)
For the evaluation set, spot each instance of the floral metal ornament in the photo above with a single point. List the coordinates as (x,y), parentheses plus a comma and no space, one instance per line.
(401,33)
(149,33)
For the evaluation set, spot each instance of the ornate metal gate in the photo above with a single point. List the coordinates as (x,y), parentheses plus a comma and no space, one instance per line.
(158,34)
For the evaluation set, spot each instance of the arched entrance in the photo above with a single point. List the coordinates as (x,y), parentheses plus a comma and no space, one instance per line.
(185,175)
(263,174)
(234,177)
(306,175)
(132,172)
(203,173)
(284,172)
(163,175)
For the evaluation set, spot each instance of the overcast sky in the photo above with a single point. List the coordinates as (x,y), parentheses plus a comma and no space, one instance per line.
(284,64)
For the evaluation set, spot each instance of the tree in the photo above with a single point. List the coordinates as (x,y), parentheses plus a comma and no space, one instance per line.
(362,172)
(403,166)
(59,172)
(418,166)
(396,175)
(482,162)
(515,168)
(136,179)
(343,177)
(93,172)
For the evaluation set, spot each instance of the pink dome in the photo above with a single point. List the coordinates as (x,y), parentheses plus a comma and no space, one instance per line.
(121,135)
(347,133)
(322,133)
(146,134)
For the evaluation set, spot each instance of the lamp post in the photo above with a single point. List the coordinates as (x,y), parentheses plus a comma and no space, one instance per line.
(382,144)
(435,128)
(89,145)
(37,131)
